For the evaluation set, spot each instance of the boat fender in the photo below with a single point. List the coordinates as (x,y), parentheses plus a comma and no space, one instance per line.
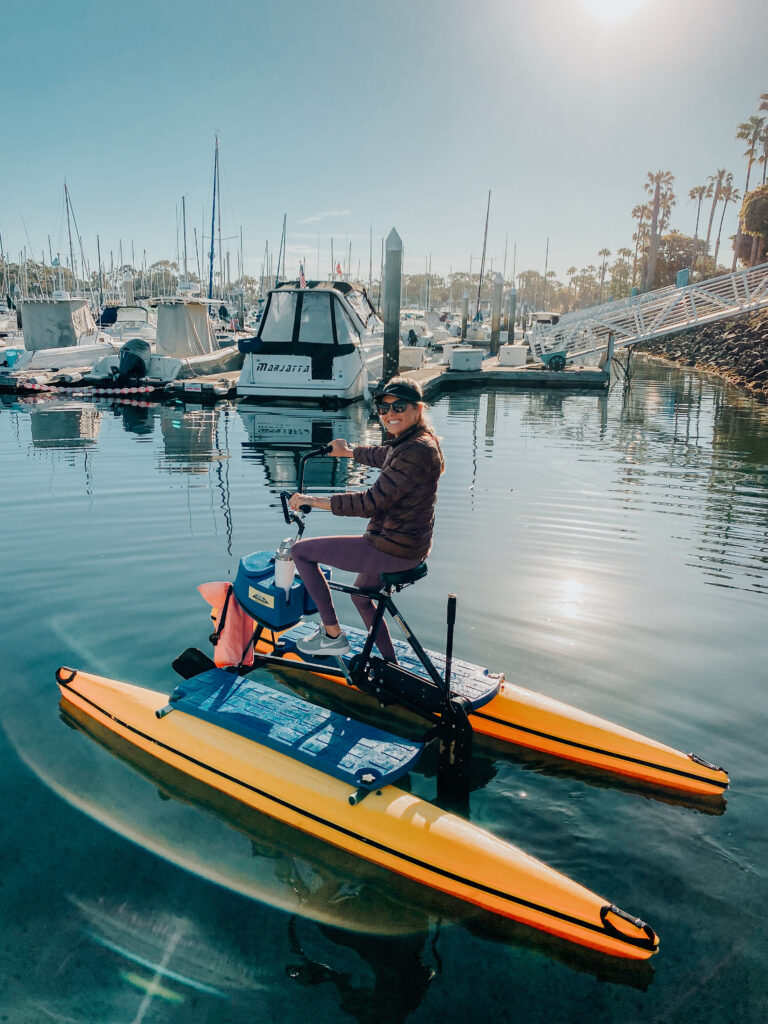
(65,675)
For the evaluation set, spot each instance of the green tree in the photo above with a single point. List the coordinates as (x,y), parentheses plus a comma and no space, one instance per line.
(676,252)
(753,223)
(620,274)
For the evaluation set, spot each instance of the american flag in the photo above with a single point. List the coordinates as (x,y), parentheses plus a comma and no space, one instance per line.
(302,279)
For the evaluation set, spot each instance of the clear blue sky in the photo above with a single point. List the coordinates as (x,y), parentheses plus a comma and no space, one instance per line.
(349,115)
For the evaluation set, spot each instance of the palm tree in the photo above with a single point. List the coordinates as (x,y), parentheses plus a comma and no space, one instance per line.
(620,273)
(641,215)
(657,184)
(698,193)
(729,194)
(605,253)
(750,131)
(716,182)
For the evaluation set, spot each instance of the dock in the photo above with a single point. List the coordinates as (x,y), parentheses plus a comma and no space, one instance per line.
(433,378)
(437,378)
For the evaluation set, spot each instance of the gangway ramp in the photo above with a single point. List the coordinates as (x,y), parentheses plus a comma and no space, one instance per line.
(654,314)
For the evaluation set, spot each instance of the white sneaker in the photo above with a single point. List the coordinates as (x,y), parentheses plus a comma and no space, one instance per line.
(319,643)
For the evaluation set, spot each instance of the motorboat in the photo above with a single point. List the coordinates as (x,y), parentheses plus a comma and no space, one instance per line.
(185,347)
(323,343)
(414,329)
(134,322)
(60,339)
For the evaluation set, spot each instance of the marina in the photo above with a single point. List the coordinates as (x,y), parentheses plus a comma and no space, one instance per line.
(384,459)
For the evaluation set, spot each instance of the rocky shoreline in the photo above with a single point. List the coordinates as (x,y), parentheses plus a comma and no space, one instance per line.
(735,349)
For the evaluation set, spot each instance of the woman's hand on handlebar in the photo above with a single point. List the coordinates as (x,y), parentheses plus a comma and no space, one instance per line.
(298,499)
(340,449)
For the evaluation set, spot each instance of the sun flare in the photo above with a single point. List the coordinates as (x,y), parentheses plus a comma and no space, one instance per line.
(611,10)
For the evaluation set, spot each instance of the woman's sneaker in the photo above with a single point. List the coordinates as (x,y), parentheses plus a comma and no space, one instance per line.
(322,645)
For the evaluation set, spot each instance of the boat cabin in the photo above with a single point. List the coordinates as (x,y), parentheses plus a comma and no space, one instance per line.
(319,342)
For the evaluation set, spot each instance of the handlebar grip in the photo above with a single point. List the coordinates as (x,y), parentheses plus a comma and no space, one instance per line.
(284,496)
(306,509)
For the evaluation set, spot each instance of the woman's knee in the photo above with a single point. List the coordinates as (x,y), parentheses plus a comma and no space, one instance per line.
(298,553)
(363,604)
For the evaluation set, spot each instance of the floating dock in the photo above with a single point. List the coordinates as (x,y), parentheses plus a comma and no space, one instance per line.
(437,378)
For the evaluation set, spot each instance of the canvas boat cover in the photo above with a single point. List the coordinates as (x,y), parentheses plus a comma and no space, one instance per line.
(184,330)
(56,323)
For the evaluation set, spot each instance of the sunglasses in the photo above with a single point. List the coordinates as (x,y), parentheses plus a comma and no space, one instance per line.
(382,408)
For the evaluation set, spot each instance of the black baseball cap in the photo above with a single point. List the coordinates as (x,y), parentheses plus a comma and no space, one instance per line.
(404,389)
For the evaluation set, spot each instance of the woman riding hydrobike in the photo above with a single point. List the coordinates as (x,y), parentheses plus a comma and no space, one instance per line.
(400,508)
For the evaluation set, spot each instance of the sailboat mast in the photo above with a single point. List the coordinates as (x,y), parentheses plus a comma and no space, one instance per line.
(213,215)
(184,226)
(221,250)
(101,291)
(69,232)
(482,260)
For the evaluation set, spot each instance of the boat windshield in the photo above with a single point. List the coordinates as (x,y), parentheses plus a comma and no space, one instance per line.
(277,325)
(315,325)
(345,330)
(316,319)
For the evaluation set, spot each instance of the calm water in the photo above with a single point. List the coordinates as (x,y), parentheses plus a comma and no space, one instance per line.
(609,551)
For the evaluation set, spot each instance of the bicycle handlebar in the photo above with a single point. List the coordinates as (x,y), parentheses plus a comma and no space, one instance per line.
(288,515)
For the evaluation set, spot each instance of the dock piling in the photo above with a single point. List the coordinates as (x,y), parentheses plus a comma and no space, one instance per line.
(609,353)
(512,315)
(498,284)
(391,304)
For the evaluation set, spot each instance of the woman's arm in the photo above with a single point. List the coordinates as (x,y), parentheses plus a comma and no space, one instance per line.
(411,466)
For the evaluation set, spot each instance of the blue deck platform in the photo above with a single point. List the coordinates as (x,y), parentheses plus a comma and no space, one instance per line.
(363,756)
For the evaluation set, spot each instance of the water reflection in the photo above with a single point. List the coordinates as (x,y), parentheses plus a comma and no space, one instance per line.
(179,818)
(64,424)
(193,437)
(277,439)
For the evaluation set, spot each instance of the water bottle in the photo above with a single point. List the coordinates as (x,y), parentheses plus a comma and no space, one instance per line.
(284,567)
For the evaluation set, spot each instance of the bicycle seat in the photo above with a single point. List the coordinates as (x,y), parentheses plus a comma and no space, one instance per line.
(398,580)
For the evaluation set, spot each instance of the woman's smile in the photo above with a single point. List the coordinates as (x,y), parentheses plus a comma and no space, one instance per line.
(397,422)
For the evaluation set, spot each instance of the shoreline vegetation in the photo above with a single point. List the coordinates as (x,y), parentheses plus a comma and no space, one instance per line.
(736,350)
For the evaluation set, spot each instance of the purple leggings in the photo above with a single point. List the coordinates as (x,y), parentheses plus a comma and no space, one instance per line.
(351,554)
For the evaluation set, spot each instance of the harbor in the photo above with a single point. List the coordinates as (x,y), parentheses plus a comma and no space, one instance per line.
(384,446)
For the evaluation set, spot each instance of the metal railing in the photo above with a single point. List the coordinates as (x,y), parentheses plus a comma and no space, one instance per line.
(652,315)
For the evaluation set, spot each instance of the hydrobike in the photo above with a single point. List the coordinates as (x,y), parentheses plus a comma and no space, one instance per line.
(493,706)
(335,778)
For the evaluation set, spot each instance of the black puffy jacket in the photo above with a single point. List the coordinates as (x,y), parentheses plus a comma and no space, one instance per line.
(401,504)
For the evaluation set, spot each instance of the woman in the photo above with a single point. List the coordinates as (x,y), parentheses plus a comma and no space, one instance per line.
(400,508)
